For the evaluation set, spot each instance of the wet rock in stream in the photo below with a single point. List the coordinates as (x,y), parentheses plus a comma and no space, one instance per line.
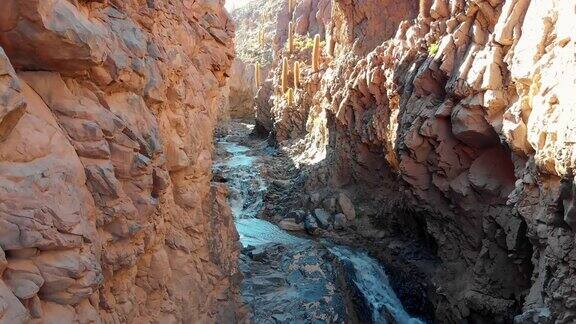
(311,282)
(291,283)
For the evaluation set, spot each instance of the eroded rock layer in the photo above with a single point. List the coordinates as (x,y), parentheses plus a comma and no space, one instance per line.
(107,212)
(454,117)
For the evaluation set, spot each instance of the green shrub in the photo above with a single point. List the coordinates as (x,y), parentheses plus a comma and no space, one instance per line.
(433,49)
(305,42)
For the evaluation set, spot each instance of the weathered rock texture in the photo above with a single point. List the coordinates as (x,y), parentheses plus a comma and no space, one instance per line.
(107,214)
(242,89)
(461,119)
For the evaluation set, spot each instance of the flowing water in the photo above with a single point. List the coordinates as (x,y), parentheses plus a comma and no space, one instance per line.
(370,283)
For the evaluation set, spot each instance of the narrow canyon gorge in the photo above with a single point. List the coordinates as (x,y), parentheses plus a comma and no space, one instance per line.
(287,161)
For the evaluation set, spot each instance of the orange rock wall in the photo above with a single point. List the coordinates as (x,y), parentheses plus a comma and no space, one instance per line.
(107,212)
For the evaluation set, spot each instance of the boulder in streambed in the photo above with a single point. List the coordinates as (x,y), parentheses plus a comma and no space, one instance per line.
(290,224)
(329,204)
(322,217)
(256,253)
(298,215)
(310,225)
(315,198)
(340,221)
(298,283)
(346,206)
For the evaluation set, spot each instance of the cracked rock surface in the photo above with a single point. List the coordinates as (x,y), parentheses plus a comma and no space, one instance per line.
(107,211)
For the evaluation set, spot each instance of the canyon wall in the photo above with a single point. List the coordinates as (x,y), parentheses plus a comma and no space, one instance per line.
(107,211)
(262,32)
(454,118)
(242,89)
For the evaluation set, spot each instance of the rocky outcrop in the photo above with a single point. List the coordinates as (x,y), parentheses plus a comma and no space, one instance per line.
(360,27)
(293,283)
(345,28)
(455,123)
(242,89)
(107,110)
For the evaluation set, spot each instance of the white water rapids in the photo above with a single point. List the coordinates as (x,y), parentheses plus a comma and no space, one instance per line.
(247,189)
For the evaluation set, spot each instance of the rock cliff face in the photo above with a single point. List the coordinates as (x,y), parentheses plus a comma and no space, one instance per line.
(453,119)
(107,212)
(242,89)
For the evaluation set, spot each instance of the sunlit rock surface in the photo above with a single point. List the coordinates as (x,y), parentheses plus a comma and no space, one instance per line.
(107,110)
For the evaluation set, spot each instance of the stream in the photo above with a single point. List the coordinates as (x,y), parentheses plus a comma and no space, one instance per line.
(288,278)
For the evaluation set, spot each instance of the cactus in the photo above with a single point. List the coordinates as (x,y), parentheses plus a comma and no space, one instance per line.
(284,75)
(261,38)
(290,37)
(296,75)
(424,8)
(290,6)
(316,54)
(257,75)
(330,46)
(290,96)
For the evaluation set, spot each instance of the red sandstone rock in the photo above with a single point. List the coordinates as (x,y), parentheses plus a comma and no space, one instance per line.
(106,122)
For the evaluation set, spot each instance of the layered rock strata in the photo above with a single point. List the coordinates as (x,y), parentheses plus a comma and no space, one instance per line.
(107,213)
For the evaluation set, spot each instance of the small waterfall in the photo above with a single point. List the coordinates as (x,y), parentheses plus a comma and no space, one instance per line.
(246,199)
(371,281)
(246,185)
(366,277)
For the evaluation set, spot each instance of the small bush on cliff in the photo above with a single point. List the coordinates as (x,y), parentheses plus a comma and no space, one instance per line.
(305,42)
(433,49)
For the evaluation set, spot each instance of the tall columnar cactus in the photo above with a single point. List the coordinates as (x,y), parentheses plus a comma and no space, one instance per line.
(257,78)
(425,8)
(284,75)
(261,38)
(290,37)
(330,46)
(290,96)
(296,75)
(290,6)
(316,54)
